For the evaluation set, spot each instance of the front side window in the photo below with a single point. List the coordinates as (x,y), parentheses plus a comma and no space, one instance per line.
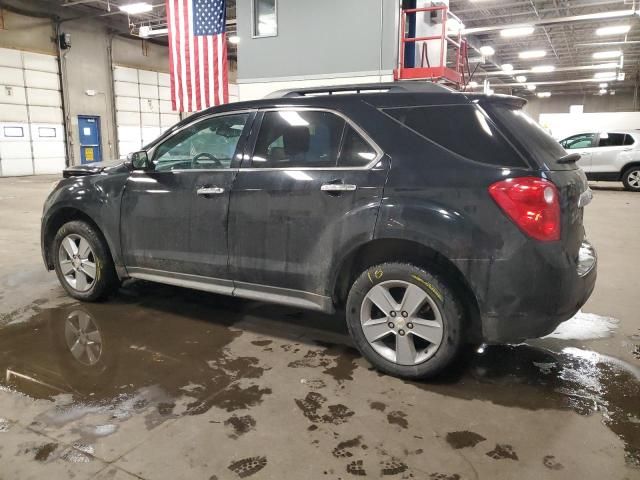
(265,18)
(208,144)
(584,140)
(611,140)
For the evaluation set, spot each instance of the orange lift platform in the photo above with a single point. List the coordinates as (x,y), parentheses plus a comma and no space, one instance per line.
(452,61)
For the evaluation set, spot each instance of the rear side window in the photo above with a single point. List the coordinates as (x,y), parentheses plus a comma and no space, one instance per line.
(462,129)
(611,140)
(356,151)
(628,140)
(529,136)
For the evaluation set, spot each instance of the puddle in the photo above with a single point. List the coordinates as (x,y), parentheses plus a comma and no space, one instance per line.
(585,326)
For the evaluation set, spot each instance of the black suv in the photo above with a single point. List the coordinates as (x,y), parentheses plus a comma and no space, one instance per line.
(434,218)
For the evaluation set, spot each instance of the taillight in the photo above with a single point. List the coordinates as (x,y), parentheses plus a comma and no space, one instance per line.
(532,203)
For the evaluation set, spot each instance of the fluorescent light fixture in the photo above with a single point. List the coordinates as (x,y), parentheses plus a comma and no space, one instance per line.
(605,76)
(603,91)
(614,30)
(531,87)
(146,31)
(621,76)
(605,65)
(136,8)
(235,39)
(487,51)
(543,68)
(521,79)
(607,54)
(603,85)
(532,54)
(90,93)
(516,32)
(544,94)
(473,84)
(507,67)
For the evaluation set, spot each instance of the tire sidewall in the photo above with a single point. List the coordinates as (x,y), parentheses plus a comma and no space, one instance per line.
(437,290)
(104,265)
(625,179)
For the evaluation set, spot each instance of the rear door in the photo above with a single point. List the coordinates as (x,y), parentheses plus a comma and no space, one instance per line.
(582,144)
(309,188)
(605,155)
(174,216)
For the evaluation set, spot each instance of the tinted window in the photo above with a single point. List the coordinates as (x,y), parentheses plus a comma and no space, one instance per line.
(584,140)
(611,140)
(628,140)
(356,151)
(533,140)
(210,143)
(298,139)
(463,129)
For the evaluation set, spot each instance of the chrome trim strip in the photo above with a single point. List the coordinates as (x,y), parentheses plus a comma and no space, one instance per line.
(251,291)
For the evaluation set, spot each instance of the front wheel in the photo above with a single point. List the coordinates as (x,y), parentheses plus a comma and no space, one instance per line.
(82,262)
(406,321)
(631,178)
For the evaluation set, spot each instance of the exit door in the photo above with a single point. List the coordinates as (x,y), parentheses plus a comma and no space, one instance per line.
(89,129)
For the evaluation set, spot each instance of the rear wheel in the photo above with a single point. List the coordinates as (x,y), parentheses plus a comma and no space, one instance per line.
(82,262)
(631,178)
(406,321)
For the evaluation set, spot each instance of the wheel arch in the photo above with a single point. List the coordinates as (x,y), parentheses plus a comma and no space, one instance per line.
(383,250)
(628,165)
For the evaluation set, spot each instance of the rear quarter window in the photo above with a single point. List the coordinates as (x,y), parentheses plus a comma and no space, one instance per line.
(463,129)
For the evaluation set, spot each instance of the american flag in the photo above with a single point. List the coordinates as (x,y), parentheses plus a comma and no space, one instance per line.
(197,53)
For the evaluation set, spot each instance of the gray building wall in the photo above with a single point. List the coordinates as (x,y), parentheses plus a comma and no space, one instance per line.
(621,102)
(319,38)
(86,66)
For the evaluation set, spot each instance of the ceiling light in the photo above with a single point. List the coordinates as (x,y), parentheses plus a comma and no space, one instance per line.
(532,54)
(516,32)
(603,85)
(605,75)
(544,94)
(621,76)
(487,51)
(521,78)
(531,87)
(473,84)
(235,39)
(136,8)
(146,31)
(543,68)
(507,67)
(608,54)
(614,30)
(603,91)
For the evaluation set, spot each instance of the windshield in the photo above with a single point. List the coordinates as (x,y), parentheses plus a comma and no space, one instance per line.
(532,140)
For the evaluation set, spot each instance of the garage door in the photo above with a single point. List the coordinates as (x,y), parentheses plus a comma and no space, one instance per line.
(31,129)
(143,107)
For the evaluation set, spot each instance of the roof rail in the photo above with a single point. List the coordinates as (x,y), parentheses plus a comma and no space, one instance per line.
(363,88)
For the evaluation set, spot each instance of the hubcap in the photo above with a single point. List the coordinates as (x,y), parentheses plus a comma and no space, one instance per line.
(77,262)
(401,322)
(83,338)
(634,179)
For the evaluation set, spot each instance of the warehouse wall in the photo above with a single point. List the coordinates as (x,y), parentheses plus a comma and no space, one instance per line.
(318,41)
(621,102)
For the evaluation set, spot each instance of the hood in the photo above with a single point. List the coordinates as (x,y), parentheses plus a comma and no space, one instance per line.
(92,168)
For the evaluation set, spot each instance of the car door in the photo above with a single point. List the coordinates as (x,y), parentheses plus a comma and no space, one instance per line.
(174,215)
(583,144)
(605,155)
(308,190)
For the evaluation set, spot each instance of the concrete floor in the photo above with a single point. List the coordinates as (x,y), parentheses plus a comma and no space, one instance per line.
(191,385)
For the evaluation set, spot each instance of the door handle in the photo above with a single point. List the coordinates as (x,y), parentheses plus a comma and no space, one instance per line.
(210,190)
(338,187)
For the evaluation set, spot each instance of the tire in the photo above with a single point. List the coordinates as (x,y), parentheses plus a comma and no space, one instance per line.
(427,358)
(100,280)
(631,178)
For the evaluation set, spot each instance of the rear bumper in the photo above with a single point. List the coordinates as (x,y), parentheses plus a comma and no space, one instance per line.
(528,297)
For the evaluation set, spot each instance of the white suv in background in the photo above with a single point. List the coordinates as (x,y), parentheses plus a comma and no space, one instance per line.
(613,156)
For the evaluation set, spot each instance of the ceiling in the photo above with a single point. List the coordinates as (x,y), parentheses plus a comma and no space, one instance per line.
(569,44)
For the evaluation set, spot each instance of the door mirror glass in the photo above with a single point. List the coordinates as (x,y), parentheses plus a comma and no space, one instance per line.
(139,160)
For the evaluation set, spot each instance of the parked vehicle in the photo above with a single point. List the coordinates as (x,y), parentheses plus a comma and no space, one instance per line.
(432,218)
(612,156)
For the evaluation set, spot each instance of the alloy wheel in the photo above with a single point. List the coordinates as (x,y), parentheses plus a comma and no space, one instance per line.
(83,338)
(77,262)
(401,322)
(633,178)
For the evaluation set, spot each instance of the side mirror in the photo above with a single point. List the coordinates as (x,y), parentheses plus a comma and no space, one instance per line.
(139,160)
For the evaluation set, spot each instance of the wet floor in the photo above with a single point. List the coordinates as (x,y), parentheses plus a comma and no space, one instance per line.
(159,354)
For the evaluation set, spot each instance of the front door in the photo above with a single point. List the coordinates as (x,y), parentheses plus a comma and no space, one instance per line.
(174,216)
(309,191)
(582,144)
(89,133)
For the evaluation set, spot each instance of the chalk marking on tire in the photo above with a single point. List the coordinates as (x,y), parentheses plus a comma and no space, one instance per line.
(435,291)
